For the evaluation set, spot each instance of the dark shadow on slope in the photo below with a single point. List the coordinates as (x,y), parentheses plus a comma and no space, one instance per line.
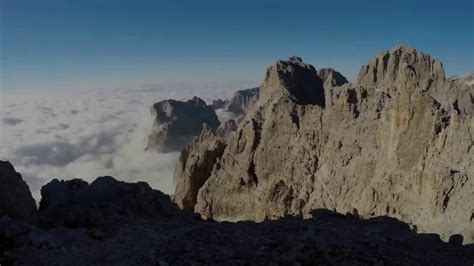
(112,222)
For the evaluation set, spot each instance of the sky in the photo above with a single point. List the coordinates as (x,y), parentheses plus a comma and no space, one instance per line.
(79,45)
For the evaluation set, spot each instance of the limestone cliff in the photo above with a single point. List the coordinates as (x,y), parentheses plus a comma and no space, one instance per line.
(195,166)
(331,77)
(243,100)
(176,123)
(390,144)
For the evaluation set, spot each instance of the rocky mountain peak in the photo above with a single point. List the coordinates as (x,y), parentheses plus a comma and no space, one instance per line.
(389,145)
(176,123)
(293,79)
(331,77)
(401,66)
(197,101)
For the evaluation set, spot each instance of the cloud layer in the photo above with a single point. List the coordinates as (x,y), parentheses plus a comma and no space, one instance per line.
(87,134)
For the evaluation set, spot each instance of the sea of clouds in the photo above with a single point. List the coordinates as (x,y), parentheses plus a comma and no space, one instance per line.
(88,133)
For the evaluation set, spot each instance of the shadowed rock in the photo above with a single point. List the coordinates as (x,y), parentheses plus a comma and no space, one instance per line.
(177,123)
(218,104)
(75,203)
(15,196)
(294,79)
(135,225)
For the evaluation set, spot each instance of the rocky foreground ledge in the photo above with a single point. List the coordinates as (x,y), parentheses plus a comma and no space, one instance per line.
(109,222)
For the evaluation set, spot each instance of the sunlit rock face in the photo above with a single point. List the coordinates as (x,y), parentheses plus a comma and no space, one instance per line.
(195,166)
(176,123)
(391,144)
(331,77)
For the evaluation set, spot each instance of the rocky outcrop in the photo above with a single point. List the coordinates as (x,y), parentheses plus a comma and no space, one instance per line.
(331,78)
(457,94)
(391,68)
(218,104)
(293,80)
(243,100)
(15,196)
(176,123)
(227,129)
(383,146)
(240,103)
(75,203)
(135,225)
(195,166)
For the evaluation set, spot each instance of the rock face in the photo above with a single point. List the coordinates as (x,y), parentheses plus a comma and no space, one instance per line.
(195,166)
(331,78)
(218,104)
(293,80)
(227,129)
(136,225)
(240,103)
(15,196)
(75,203)
(402,63)
(457,94)
(177,123)
(242,100)
(383,146)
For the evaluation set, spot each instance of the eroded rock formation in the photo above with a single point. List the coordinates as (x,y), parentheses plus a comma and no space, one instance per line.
(177,123)
(331,78)
(242,100)
(240,103)
(383,146)
(227,129)
(195,166)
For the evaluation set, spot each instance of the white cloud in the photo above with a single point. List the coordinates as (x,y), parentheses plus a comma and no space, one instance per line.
(86,134)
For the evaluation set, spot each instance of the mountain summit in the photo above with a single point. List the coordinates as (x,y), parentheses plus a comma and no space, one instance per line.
(390,144)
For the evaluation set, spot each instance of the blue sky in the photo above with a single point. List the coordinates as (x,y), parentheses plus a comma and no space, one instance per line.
(91,44)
